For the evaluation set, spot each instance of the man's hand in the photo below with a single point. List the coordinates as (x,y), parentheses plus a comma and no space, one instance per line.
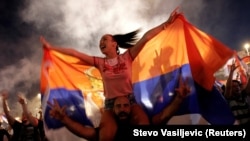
(4,94)
(56,111)
(233,66)
(21,99)
(183,89)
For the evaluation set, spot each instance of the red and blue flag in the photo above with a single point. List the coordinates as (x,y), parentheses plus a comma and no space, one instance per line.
(73,84)
(182,50)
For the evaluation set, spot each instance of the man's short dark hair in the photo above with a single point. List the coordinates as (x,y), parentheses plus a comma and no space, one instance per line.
(237,82)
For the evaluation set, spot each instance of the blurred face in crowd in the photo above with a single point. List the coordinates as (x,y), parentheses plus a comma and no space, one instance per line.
(236,89)
(25,120)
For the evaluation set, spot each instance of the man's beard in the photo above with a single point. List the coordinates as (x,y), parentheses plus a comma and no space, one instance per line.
(121,120)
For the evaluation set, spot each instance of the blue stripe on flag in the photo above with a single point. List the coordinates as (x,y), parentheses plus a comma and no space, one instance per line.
(156,93)
(75,107)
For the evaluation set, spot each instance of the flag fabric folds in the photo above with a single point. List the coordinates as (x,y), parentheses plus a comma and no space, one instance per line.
(182,50)
(73,84)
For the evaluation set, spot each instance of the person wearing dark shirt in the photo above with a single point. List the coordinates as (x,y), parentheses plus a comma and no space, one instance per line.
(35,122)
(236,97)
(4,135)
(22,131)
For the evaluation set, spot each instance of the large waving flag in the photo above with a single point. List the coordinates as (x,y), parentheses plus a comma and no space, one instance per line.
(182,50)
(73,84)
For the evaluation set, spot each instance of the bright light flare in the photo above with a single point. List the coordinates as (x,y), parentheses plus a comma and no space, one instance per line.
(38,96)
(246,46)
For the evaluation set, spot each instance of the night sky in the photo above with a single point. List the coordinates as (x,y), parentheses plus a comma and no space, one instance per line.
(80,23)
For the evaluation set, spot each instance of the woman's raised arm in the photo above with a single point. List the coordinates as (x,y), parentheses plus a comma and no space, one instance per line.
(134,51)
(68,51)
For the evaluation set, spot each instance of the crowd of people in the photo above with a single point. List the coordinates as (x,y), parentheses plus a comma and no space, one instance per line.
(121,108)
(30,128)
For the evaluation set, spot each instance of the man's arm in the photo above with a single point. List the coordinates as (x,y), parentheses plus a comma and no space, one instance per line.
(33,120)
(68,51)
(6,109)
(78,129)
(228,89)
(134,51)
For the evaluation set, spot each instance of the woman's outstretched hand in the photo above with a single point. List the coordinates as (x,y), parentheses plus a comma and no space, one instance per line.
(45,43)
(171,19)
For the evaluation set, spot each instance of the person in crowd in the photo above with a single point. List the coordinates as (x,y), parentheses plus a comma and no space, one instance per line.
(116,71)
(35,122)
(237,97)
(22,131)
(4,134)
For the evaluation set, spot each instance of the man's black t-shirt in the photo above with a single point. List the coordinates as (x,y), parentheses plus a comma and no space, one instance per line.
(23,132)
(2,133)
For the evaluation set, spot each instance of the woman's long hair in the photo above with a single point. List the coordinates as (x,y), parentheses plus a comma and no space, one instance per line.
(126,40)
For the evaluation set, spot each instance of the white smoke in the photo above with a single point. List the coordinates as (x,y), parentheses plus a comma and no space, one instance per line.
(81,23)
